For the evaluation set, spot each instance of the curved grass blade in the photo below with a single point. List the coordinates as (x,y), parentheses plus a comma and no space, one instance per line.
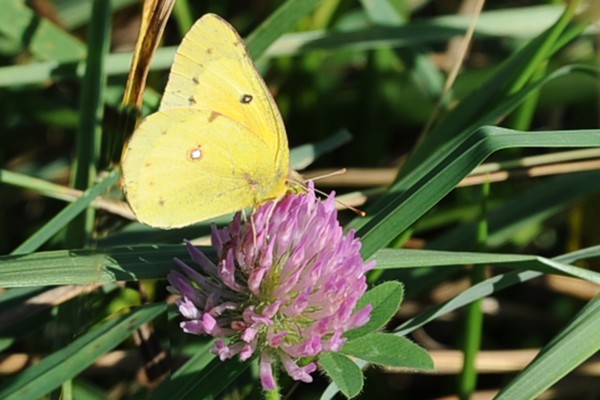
(578,341)
(488,287)
(63,267)
(197,383)
(65,364)
(533,206)
(203,376)
(38,35)
(278,23)
(498,111)
(401,210)
(475,292)
(66,215)
(509,79)
(430,32)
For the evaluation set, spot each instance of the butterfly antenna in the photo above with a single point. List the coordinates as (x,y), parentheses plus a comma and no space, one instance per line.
(340,171)
(303,185)
(357,211)
(298,180)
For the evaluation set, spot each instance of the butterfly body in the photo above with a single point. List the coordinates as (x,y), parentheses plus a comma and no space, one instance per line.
(217,143)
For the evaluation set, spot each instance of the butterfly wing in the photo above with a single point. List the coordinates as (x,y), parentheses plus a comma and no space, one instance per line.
(184,166)
(212,70)
(217,143)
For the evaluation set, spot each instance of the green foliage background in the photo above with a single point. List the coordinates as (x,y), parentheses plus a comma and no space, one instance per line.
(526,93)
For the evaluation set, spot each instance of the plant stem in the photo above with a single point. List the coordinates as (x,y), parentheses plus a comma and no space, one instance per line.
(474,320)
(272,394)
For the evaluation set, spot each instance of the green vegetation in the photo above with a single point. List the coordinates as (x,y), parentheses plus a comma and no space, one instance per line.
(480,194)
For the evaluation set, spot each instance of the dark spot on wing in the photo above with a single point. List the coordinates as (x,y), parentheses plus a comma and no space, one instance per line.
(246,99)
(161,202)
(195,80)
(192,100)
(251,181)
(164,132)
(213,115)
(209,50)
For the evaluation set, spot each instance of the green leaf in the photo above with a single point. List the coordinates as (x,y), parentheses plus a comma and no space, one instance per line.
(533,206)
(390,350)
(438,177)
(344,373)
(71,211)
(437,30)
(132,263)
(89,134)
(575,344)
(416,258)
(509,78)
(486,288)
(86,266)
(65,364)
(476,292)
(385,299)
(382,12)
(38,185)
(278,23)
(38,35)
(408,258)
(74,13)
(202,377)
(421,32)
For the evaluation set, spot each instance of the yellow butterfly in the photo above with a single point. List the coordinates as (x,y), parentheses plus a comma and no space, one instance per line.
(217,143)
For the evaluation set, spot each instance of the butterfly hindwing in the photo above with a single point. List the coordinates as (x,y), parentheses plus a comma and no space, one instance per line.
(190,171)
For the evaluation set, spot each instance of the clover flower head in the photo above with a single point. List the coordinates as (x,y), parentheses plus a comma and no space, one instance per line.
(285,286)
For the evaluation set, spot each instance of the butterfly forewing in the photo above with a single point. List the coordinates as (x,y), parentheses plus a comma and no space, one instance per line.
(212,70)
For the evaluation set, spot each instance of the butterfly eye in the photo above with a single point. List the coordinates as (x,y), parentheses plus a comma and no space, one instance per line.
(246,99)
